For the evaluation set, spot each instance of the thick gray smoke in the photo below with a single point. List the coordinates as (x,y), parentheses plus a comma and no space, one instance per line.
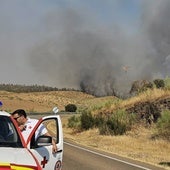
(157,25)
(82,52)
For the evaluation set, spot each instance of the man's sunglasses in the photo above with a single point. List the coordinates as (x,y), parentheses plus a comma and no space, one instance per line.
(17,117)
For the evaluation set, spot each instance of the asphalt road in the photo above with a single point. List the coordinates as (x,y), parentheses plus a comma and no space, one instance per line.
(80,158)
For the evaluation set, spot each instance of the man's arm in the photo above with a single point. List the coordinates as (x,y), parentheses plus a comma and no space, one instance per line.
(54,147)
(43,131)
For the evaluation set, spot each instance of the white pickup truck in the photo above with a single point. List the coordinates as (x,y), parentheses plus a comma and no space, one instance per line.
(16,154)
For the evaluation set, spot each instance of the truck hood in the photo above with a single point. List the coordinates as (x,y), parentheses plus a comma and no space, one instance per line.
(18,156)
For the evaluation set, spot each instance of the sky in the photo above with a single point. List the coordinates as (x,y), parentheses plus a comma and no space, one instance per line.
(99,46)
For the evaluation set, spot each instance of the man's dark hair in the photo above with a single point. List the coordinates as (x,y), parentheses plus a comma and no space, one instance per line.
(20,112)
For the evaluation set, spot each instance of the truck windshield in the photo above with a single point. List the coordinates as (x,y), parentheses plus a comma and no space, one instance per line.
(8,133)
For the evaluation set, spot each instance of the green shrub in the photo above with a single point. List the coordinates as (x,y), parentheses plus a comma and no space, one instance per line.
(71,108)
(112,124)
(163,125)
(87,120)
(167,82)
(117,123)
(74,122)
(99,120)
(159,83)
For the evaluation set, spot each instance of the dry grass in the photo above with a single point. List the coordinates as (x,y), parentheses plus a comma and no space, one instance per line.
(41,101)
(149,95)
(137,144)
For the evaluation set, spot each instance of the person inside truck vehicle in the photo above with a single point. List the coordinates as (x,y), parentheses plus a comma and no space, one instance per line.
(27,124)
(6,132)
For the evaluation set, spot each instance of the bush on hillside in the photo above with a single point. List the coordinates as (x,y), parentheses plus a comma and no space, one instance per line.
(113,124)
(71,108)
(117,123)
(74,122)
(159,83)
(140,86)
(87,120)
(167,82)
(163,125)
(99,120)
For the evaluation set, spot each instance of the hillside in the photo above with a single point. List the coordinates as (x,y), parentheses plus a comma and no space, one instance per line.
(42,101)
(142,146)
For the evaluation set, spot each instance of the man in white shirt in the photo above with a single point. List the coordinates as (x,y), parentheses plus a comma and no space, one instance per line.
(26,126)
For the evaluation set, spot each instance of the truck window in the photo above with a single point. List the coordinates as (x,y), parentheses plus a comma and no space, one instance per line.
(8,134)
(52,127)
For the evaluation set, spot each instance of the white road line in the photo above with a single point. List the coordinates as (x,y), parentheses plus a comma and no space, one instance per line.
(107,156)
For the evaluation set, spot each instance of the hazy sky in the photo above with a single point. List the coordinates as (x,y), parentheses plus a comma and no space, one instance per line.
(70,43)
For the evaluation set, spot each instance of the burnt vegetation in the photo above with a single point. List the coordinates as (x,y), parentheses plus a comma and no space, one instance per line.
(142,85)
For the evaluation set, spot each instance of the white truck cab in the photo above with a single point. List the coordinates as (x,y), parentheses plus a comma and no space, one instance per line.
(33,154)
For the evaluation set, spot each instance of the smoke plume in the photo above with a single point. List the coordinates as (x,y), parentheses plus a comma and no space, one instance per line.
(84,53)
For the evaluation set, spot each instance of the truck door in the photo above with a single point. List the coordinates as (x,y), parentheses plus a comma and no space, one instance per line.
(43,154)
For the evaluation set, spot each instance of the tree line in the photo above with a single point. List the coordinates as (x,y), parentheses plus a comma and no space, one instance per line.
(31,88)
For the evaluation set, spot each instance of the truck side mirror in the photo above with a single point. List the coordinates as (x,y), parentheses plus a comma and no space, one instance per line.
(44,141)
